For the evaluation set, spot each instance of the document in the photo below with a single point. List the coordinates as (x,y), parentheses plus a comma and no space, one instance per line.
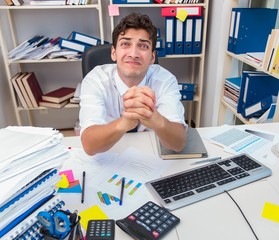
(237,140)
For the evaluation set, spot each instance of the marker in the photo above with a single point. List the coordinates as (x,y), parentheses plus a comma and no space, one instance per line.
(206,160)
(122,191)
(83,187)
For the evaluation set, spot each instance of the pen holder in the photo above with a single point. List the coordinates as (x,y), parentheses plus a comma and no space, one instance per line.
(74,234)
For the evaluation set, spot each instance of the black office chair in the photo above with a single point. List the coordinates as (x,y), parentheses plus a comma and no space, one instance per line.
(98,55)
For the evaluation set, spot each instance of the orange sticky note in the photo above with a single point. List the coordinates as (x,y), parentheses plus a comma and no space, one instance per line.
(92,213)
(181,15)
(113,10)
(271,212)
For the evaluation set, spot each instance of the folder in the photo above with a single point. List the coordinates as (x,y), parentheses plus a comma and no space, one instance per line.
(172,11)
(255,86)
(178,42)
(252,27)
(188,32)
(197,35)
(169,27)
(83,38)
(260,107)
(159,43)
(186,87)
(72,45)
(231,32)
(161,52)
(186,96)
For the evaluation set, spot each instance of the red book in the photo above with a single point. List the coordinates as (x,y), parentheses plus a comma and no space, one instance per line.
(32,88)
(59,95)
(52,104)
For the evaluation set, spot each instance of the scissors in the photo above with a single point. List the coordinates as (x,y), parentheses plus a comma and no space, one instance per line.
(58,224)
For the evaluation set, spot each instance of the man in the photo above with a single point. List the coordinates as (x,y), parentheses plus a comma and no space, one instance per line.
(133,93)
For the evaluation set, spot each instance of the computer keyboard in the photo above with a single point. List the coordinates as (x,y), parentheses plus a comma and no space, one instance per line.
(187,187)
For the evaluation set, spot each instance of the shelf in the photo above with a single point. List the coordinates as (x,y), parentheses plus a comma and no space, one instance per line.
(44,60)
(233,110)
(69,105)
(160,5)
(33,7)
(241,57)
(12,37)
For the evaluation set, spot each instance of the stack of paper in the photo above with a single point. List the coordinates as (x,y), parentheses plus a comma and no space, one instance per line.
(29,166)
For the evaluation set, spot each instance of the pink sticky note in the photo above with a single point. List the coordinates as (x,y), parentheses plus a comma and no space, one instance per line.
(113,10)
(69,174)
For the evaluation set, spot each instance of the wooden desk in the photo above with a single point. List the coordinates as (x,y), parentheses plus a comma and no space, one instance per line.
(216,218)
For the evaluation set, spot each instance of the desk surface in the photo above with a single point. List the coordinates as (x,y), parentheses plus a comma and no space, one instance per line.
(215,218)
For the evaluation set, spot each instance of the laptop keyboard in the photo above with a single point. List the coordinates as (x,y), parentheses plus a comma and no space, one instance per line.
(202,182)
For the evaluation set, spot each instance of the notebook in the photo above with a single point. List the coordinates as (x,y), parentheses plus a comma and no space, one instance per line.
(30,226)
(194,147)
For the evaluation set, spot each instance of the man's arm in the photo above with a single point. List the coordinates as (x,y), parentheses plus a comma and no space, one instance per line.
(139,103)
(100,138)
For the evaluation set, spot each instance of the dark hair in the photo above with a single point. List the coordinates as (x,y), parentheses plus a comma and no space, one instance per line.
(136,21)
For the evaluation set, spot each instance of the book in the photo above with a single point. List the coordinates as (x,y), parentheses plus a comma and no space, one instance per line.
(43,103)
(18,2)
(33,89)
(194,147)
(23,90)
(9,2)
(59,95)
(17,89)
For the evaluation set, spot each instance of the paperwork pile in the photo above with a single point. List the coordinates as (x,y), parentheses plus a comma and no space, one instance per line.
(31,158)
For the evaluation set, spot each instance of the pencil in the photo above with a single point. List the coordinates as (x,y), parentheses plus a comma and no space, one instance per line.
(122,191)
(83,187)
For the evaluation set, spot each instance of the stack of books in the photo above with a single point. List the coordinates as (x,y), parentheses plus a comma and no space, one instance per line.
(231,91)
(30,94)
(29,172)
(57,98)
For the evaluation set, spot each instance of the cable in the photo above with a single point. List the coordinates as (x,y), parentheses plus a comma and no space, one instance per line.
(243,215)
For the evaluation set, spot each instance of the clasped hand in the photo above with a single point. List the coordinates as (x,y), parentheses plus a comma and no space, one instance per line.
(140,106)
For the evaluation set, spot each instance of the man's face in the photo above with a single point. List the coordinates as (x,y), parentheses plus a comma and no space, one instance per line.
(133,54)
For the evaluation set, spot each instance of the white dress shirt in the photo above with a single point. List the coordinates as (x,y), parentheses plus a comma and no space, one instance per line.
(102,90)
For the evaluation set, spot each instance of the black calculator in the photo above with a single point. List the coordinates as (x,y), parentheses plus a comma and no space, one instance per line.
(149,222)
(100,229)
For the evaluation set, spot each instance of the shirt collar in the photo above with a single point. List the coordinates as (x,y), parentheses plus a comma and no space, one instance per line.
(122,87)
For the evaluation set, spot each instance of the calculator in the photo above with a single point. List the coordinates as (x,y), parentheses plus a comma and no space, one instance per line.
(149,222)
(100,229)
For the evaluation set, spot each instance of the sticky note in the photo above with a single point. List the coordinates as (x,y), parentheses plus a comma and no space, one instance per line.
(92,213)
(69,174)
(63,183)
(271,212)
(181,15)
(74,187)
(113,10)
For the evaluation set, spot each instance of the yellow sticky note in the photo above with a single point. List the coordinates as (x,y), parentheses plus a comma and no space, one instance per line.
(271,212)
(92,213)
(63,183)
(181,14)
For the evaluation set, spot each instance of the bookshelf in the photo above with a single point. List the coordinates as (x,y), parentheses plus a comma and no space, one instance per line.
(234,64)
(188,68)
(51,21)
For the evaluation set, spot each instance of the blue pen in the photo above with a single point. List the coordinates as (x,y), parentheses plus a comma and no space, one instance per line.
(122,191)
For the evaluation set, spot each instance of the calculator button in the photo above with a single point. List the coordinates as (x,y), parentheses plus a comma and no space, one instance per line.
(144,225)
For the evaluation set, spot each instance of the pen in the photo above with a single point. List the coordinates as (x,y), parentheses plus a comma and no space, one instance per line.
(83,187)
(122,191)
(206,160)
